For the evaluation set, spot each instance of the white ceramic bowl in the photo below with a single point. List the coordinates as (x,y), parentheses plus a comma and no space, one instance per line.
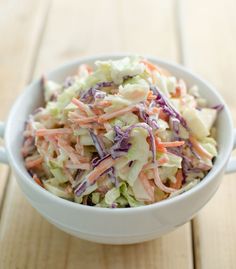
(116,226)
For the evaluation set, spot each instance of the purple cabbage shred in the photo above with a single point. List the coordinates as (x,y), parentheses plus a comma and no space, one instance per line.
(167,108)
(121,143)
(96,161)
(114,205)
(121,140)
(219,107)
(103,155)
(151,121)
(81,188)
(95,91)
(175,125)
(98,143)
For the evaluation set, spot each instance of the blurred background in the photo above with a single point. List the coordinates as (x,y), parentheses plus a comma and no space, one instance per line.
(37,36)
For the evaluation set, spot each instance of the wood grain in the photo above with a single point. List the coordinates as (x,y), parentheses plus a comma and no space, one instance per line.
(210,44)
(107,27)
(77,28)
(20,25)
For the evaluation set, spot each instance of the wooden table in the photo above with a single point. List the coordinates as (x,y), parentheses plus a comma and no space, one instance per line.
(38,35)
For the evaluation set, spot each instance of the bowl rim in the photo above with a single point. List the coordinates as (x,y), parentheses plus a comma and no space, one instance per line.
(23,174)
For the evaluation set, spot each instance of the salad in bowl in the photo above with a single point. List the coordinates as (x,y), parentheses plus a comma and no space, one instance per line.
(123,133)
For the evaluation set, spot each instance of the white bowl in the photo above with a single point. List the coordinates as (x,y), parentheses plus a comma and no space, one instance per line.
(121,225)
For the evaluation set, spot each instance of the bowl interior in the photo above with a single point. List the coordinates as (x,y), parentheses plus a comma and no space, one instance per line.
(32,98)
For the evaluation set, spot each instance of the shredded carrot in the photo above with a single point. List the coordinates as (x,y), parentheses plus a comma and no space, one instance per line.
(199,149)
(177,92)
(159,146)
(96,131)
(28,146)
(179,180)
(172,144)
(154,78)
(89,69)
(159,183)
(38,181)
(150,66)
(75,114)
(149,188)
(183,87)
(103,189)
(146,166)
(78,147)
(86,125)
(101,168)
(30,163)
(59,131)
(150,112)
(68,189)
(151,96)
(114,114)
(75,158)
(83,159)
(82,120)
(155,110)
(180,89)
(99,128)
(163,115)
(82,166)
(104,103)
(67,148)
(85,67)
(163,160)
(97,111)
(82,106)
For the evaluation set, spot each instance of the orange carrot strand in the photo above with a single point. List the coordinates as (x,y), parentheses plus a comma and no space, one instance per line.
(199,149)
(114,114)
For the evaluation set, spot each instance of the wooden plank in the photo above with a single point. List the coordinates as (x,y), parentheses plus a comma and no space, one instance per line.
(20,26)
(107,27)
(210,41)
(77,28)
(17,51)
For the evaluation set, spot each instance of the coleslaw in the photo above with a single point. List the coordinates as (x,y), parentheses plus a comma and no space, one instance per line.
(123,134)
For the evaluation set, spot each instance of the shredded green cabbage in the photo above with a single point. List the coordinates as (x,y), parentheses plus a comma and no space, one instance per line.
(84,144)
